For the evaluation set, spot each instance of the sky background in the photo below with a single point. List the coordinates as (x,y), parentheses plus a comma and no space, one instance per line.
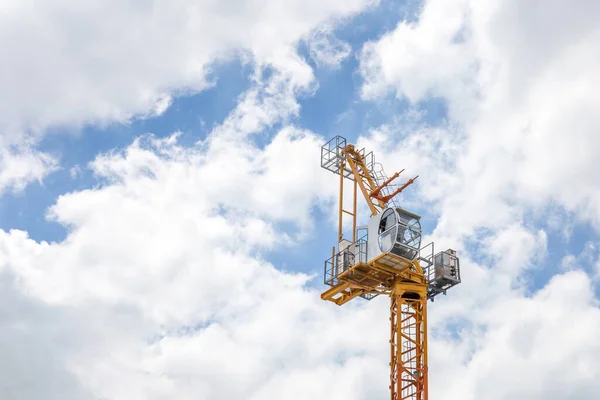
(164,217)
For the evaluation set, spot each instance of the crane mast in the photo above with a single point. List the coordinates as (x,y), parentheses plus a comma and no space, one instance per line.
(387,260)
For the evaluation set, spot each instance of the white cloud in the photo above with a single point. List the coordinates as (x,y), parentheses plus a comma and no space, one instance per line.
(168,242)
(111,61)
(160,245)
(520,141)
(511,347)
(425,51)
(327,50)
(515,352)
(161,105)
(522,95)
(21,165)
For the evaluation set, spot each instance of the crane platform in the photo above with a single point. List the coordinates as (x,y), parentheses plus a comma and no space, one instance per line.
(349,275)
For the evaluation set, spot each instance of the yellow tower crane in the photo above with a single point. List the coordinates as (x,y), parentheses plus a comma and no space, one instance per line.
(387,259)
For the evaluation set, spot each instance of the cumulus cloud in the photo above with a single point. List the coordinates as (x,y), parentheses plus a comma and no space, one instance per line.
(519,355)
(21,165)
(162,274)
(518,147)
(170,245)
(111,61)
(523,96)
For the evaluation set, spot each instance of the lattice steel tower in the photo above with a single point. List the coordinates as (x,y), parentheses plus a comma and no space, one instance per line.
(387,259)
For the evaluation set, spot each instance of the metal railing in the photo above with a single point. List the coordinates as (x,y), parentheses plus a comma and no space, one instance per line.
(442,270)
(354,253)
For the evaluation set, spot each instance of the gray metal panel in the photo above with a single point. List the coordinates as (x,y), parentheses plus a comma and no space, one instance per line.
(373,238)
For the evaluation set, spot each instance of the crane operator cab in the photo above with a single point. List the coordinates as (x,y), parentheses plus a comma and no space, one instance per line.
(394,232)
(394,240)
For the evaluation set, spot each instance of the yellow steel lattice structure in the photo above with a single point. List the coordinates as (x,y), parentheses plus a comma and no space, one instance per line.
(353,271)
(408,323)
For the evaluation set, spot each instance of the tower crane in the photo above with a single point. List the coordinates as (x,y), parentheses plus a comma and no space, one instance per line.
(387,259)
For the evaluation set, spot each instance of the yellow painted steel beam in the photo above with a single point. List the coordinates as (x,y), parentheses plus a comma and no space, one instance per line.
(363,188)
(335,290)
(352,213)
(351,294)
(345,291)
(408,342)
(362,175)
